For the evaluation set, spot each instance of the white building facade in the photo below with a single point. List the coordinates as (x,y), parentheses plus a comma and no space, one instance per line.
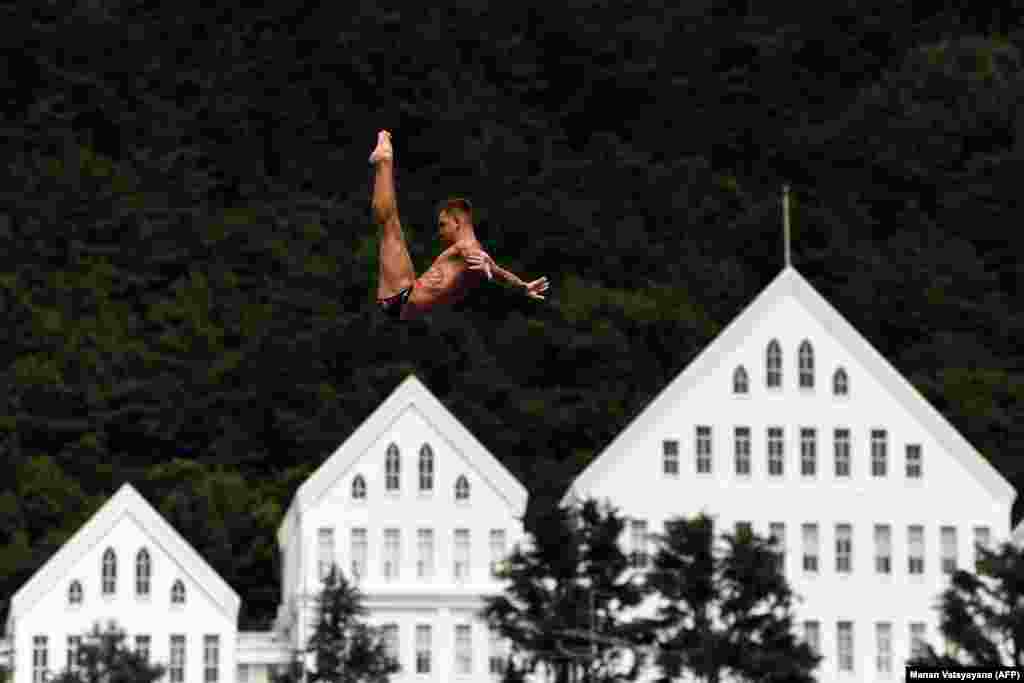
(792,423)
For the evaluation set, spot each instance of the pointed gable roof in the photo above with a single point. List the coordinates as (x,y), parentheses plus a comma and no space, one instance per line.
(411,392)
(789,283)
(126,502)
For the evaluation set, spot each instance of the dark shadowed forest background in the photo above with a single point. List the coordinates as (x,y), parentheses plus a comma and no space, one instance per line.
(189,262)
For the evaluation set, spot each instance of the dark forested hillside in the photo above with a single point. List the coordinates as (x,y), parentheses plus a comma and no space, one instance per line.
(190,262)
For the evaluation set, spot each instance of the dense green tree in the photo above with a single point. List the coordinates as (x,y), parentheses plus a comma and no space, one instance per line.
(567,592)
(981,613)
(728,608)
(103,657)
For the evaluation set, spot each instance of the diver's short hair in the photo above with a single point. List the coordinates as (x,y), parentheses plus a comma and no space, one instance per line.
(457,205)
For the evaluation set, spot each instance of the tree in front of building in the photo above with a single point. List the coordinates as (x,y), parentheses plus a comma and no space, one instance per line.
(103,657)
(345,649)
(562,610)
(981,616)
(725,610)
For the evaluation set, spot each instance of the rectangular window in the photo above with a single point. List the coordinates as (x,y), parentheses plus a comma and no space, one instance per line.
(211,658)
(359,552)
(775,451)
(742,441)
(243,673)
(915,547)
(142,646)
(982,538)
(39,659)
(177,667)
(841,439)
(883,639)
(638,542)
(496,655)
(325,551)
(423,649)
(392,554)
(883,549)
(497,545)
(777,531)
(844,632)
(389,634)
(812,635)
(808,452)
(426,469)
(74,642)
(810,537)
(878,452)
(463,650)
(913,461)
(844,548)
(461,554)
(703,449)
(670,457)
(425,551)
(917,648)
(948,541)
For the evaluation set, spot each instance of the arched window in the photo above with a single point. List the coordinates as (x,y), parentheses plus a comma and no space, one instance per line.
(391,469)
(773,364)
(142,572)
(75,593)
(109,571)
(840,383)
(806,355)
(359,488)
(740,385)
(426,468)
(178,593)
(462,488)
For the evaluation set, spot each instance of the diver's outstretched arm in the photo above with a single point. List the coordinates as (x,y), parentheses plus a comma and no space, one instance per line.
(482,261)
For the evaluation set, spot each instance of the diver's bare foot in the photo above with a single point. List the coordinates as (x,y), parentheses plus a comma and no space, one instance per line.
(383,151)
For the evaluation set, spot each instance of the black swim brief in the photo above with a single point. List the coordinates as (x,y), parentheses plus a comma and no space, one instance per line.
(392,306)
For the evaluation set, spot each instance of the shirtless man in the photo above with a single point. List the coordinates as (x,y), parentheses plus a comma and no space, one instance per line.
(457,270)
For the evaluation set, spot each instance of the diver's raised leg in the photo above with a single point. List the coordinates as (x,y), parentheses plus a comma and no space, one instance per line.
(396,269)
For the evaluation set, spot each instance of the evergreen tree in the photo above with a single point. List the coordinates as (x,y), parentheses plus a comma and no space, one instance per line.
(346,650)
(726,612)
(567,589)
(103,657)
(982,615)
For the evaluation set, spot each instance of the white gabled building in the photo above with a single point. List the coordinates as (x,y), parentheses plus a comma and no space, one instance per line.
(790,421)
(418,509)
(126,564)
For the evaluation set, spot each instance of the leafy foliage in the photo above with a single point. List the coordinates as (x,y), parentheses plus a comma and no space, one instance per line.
(104,656)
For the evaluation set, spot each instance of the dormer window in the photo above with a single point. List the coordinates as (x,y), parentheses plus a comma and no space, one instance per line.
(178,593)
(740,383)
(840,383)
(391,469)
(462,488)
(806,358)
(75,593)
(426,468)
(143,571)
(359,488)
(109,582)
(773,365)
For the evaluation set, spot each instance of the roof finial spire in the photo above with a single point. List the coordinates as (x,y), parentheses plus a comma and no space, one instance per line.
(785,220)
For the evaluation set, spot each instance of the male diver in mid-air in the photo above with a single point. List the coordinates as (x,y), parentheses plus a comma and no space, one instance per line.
(456,271)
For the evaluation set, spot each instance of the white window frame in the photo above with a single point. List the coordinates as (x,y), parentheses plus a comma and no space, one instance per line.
(702,436)
(776,437)
(741,450)
(808,451)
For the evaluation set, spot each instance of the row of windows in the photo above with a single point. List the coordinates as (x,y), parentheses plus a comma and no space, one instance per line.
(463,651)
(883,643)
(773,371)
(143,576)
(176,668)
(776,447)
(391,480)
(639,546)
(391,556)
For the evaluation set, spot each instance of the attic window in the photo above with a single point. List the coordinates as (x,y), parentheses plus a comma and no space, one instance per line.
(359,488)
(773,365)
(740,384)
(178,593)
(109,571)
(806,356)
(426,468)
(75,593)
(462,488)
(840,383)
(391,469)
